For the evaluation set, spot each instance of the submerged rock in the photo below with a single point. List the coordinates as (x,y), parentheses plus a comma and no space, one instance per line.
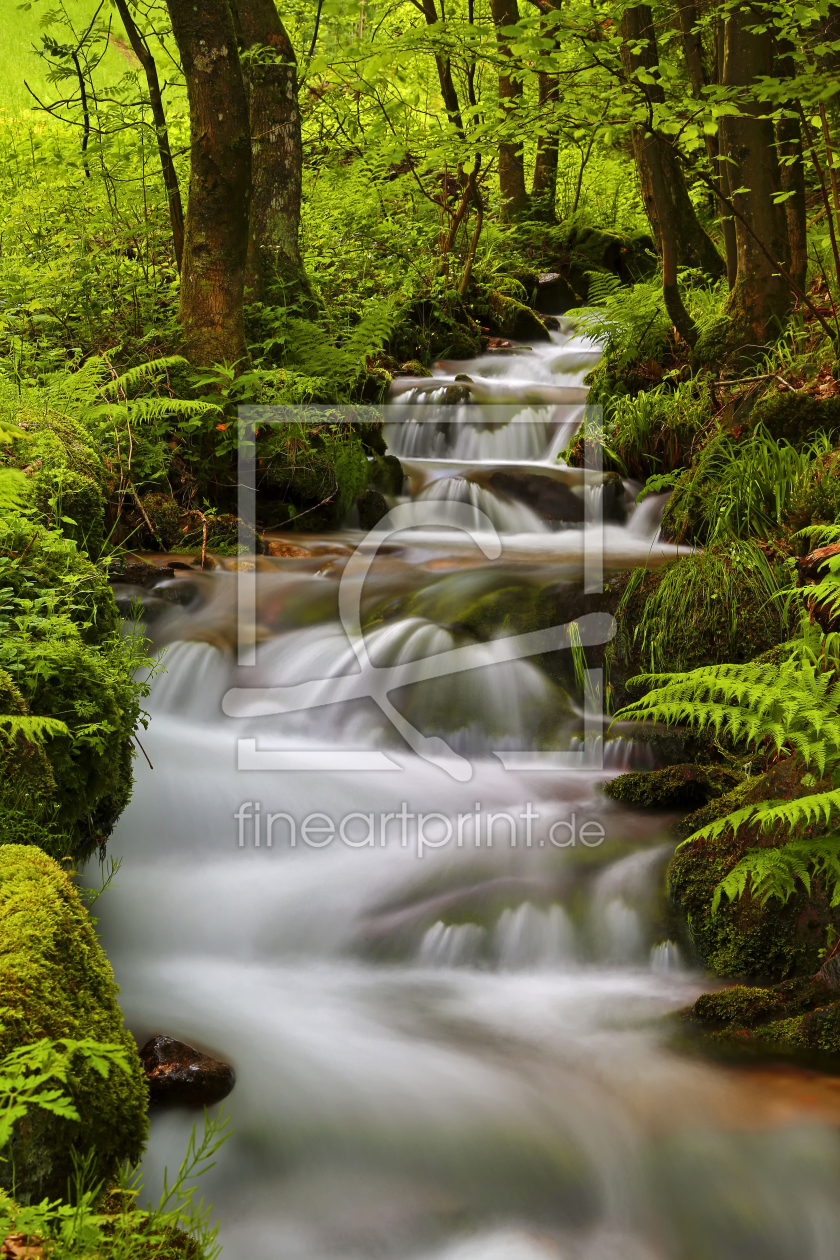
(372,507)
(180,1076)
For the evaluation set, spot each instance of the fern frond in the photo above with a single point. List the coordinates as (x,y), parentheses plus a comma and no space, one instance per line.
(143,372)
(13,487)
(33,729)
(774,872)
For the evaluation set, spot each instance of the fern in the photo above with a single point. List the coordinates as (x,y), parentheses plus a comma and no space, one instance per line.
(143,372)
(13,487)
(32,728)
(774,872)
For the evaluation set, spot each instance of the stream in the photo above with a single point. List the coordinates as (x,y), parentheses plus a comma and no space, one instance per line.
(446,1026)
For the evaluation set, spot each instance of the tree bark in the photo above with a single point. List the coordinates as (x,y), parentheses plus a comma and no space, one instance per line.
(664,192)
(699,79)
(143,53)
(761,298)
(792,175)
(511,156)
(444,69)
(275,266)
(544,187)
(216,231)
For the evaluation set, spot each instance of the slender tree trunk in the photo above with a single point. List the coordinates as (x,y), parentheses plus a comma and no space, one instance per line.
(143,53)
(548,151)
(444,69)
(761,299)
(664,192)
(216,232)
(792,175)
(511,156)
(699,79)
(275,266)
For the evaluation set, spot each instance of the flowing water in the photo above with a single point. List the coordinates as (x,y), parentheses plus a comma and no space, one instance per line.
(446,1026)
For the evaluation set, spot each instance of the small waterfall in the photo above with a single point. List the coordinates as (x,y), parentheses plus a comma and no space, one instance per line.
(476,433)
(666,957)
(452,945)
(527,937)
(508,516)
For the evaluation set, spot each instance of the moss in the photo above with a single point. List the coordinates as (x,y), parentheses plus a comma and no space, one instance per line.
(797,417)
(817,500)
(164,512)
(739,1006)
(768,942)
(674,787)
(26,776)
(56,982)
(322,475)
(513,319)
(72,503)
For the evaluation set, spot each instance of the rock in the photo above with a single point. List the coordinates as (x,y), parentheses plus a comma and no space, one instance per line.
(413,368)
(514,319)
(179,1076)
(372,507)
(676,787)
(462,376)
(274,547)
(56,982)
(812,568)
(555,295)
(137,572)
(550,499)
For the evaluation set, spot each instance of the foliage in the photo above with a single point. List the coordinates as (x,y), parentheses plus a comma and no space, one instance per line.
(56,984)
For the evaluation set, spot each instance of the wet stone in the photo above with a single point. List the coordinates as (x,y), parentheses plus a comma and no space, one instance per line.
(180,1076)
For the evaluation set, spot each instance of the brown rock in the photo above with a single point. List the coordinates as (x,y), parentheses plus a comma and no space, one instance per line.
(180,1076)
(275,547)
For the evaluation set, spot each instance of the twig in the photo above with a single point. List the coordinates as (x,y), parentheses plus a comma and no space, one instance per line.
(143,750)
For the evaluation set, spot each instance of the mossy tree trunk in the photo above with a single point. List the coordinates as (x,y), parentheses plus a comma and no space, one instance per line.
(218,210)
(792,175)
(444,69)
(511,155)
(275,266)
(672,216)
(761,299)
(698,77)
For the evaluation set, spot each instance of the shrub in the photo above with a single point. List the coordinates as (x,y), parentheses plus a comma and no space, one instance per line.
(56,982)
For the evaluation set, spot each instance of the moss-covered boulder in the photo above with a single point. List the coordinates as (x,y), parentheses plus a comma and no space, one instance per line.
(744,938)
(797,1019)
(796,417)
(512,318)
(56,982)
(675,787)
(816,500)
(320,473)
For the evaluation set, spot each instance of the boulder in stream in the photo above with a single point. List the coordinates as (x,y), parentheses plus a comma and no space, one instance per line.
(180,1076)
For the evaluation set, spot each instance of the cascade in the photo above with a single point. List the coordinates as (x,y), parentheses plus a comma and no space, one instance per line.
(442,995)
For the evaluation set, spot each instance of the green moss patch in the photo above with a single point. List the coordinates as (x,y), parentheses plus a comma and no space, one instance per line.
(56,982)
(675,787)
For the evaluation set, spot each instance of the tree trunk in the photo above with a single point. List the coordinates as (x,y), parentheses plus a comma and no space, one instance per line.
(699,79)
(444,69)
(761,299)
(511,156)
(216,234)
(275,266)
(664,192)
(548,153)
(792,175)
(143,54)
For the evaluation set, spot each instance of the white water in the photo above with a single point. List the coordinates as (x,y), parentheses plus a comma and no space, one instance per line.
(442,1053)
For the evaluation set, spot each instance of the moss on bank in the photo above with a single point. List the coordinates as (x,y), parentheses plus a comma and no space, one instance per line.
(56,982)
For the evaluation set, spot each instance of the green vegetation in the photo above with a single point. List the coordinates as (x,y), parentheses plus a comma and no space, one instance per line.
(58,985)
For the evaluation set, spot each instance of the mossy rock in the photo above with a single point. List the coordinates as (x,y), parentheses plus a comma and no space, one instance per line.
(796,417)
(386,474)
(744,938)
(322,478)
(164,512)
(798,1019)
(514,319)
(68,475)
(56,982)
(26,776)
(72,503)
(675,787)
(817,500)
